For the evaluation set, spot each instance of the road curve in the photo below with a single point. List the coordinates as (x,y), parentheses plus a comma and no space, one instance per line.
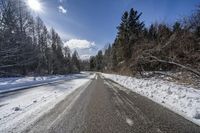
(106,107)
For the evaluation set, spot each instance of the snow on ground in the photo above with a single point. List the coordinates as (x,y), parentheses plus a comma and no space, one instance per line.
(181,99)
(9,84)
(20,109)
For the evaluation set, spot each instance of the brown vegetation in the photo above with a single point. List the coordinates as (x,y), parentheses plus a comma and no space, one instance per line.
(159,48)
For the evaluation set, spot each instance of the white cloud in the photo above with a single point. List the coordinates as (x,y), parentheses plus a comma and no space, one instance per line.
(79,44)
(84,48)
(61,9)
(85,57)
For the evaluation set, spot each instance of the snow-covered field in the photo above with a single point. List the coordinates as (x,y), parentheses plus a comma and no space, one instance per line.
(19,110)
(181,99)
(9,84)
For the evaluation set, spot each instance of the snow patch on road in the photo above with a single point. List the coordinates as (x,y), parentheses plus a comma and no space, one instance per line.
(181,99)
(18,110)
(129,122)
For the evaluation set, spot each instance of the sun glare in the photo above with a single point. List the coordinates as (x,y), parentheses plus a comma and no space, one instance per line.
(34,5)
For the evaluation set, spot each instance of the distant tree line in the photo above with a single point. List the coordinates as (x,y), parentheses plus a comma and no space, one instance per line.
(27,47)
(159,47)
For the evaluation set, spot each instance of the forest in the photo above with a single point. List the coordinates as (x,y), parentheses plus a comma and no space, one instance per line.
(27,47)
(139,49)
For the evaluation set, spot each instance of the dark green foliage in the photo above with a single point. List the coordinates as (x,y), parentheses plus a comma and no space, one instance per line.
(158,47)
(75,62)
(92,63)
(96,63)
(129,32)
(99,61)
(176,27)
(152,33)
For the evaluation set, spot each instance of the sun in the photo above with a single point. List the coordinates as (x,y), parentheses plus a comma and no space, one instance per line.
(34,5)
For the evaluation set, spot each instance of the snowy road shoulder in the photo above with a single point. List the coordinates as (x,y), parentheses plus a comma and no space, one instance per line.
(20,109)
(181,99)
(18,83)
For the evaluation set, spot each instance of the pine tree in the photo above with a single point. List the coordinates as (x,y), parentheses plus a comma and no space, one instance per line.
(135,30)
(92,63)
(114,58)
(107,58)
(122,38)
(99,61)
(75,62)
(152,32)
(176,27)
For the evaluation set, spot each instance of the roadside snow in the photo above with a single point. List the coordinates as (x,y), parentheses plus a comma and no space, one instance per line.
(20,109)
(181,99)
(10,84)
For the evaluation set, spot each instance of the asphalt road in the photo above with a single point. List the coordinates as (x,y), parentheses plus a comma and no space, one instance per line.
(106,107)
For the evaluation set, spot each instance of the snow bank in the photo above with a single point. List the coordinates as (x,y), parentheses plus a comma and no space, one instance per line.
(10,84)
(19,110)
(181,99)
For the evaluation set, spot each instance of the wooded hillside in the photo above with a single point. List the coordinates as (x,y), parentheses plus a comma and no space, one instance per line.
(27,47)
(159,47)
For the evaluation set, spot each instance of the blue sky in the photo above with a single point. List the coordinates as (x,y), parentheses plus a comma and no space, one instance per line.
(92,23)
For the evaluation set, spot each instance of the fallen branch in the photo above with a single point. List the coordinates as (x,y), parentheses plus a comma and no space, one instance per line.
(165,74)
(177,64)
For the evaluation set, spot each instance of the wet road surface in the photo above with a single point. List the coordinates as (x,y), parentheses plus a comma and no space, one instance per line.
(103,106)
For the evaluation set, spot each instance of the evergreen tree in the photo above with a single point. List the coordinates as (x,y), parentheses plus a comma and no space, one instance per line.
(107,58)
(76,62)
(159,47)
(152,32)
(122,38)
(114,58)
(176,27)
(99,61)
(92,63)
